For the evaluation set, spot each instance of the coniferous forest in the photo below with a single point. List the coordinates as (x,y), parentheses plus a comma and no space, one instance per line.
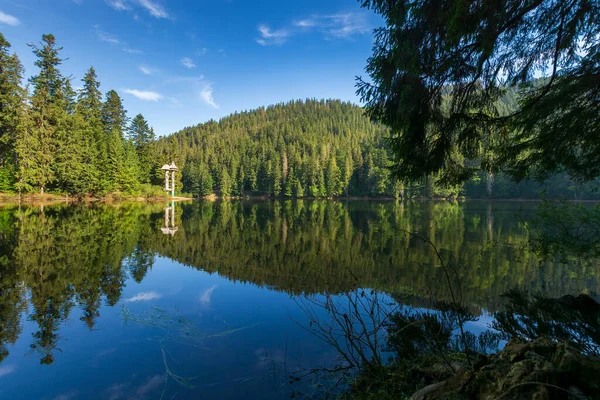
(54,139)
(82,143)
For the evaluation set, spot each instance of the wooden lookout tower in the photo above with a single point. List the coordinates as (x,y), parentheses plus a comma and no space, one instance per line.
(170,170)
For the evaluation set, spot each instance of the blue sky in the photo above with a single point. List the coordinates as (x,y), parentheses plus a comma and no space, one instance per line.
(182,62)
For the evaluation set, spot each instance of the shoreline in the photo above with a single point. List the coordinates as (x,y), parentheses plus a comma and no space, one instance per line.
(50,199)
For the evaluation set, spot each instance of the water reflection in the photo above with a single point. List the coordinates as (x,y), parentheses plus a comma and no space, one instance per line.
(170,227)
(61,264)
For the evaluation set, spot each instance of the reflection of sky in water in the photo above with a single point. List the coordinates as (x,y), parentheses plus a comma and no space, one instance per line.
(254,341)
(117,360)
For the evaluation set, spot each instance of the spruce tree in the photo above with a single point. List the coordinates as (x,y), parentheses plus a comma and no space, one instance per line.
(89,105)
(142,137)
(114,119)
(37,145)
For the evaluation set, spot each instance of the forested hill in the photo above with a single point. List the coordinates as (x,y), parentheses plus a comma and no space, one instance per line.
(301,148)
(316,148)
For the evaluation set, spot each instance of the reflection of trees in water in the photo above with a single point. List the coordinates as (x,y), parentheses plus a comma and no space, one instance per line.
(65,256)
(289,244)
(81,255)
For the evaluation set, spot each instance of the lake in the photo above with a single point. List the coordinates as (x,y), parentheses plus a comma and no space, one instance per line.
(203,299)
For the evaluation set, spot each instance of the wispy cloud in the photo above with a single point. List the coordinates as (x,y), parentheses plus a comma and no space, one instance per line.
(305,23)
(201,87)
(269,37)
(151,384)
(334,26)
(206,95)
(132,51)
(113,39)
(142,296)
(202,51)
(155,9)
(146,70)
(118,5)
(9,19)
(67,396)
(206,295)
(7,369)
(340,25)
(105,36)
(187,62)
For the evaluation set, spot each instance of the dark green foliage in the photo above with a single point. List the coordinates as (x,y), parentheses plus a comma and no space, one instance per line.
(63,141)
(36,147)
(143,137)
(441,70)
(322,148)
(301,148)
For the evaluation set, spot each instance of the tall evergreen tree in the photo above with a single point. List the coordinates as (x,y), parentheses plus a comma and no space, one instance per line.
(37,145)
(142,137)
(89,105)
(114,119)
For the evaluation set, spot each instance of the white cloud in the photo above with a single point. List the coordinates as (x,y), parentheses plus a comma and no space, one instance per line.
(206,295)
(269,37)
(340,25)
(306,23)
(346,25)
(155,9)
(7,369)
(144,296)
(145,95)
(105,36)
(132,51)
(206,95)
(146,70)
(175,102)
(118,5)
(202,51)
(187,62)
(151,6)
(9,19)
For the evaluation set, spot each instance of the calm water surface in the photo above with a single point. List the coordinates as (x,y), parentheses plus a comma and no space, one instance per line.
(200,300)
